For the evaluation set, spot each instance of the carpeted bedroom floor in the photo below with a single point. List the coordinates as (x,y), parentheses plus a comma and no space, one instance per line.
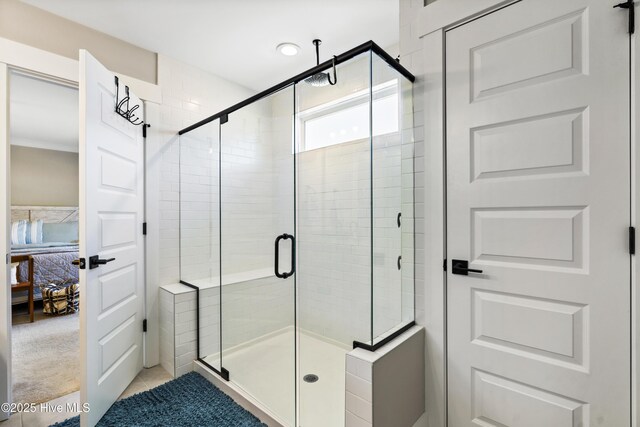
(46,356)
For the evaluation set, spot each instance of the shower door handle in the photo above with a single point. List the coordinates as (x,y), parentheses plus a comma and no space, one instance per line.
(285,236)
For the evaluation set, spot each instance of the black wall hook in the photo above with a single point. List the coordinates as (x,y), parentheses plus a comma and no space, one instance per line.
(122,106)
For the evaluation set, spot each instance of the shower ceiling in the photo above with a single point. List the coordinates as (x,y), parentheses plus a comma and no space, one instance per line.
(235,39)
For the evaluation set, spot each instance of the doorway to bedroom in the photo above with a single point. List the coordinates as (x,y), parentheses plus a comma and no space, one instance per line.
(44,176)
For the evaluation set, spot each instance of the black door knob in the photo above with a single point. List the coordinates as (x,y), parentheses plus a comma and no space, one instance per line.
(95,261)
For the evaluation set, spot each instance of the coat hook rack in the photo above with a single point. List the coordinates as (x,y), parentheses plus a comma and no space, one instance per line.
(122,106)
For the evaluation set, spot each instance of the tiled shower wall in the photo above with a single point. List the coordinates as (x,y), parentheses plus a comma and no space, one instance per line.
(248,214)
(257,189)
(411,58)
(334,240)
(199,214)
(335,289)
(257,171)
(334,235)
(189,95)
(255,185)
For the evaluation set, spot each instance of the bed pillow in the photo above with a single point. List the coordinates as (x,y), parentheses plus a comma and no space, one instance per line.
(60,232)
(34,232)
(14,273)
(19,232)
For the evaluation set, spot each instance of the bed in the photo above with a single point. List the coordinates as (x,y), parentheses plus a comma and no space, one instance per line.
(53,256)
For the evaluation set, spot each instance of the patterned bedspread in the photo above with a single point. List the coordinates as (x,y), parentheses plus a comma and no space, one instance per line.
(49,268)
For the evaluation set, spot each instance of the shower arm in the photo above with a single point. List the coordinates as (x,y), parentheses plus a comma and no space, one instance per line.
(316,43)
(335,76)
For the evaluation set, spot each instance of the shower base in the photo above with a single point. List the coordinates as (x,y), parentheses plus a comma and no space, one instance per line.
(264,372)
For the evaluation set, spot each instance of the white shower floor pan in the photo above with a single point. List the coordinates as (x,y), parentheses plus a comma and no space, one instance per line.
(263,369)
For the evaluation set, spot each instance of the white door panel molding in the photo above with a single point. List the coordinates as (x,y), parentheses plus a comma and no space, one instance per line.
(111,216)
(538,200)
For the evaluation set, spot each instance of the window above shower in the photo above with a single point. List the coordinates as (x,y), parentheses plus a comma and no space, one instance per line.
(347,118)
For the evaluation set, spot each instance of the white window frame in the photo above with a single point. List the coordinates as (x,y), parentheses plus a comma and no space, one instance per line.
(380,91)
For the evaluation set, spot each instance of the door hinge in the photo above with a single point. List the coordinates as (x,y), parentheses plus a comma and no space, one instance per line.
(630,6)
(144,325)
(144,228)
(444,265)
(144,129)
(632,240)
(7,259)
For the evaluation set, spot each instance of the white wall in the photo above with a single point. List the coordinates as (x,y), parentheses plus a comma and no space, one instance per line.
(334,241)
(199,207)
(335,289)
(36,27)
(252,215)
(255,145)
(252,182)
(189,95)
(254,178)
(411,58)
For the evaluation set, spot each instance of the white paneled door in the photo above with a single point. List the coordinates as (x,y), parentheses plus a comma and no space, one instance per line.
(538,198)
(111,215)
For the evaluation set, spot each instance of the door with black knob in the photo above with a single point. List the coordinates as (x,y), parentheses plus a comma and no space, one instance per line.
(111,242)
(538,284)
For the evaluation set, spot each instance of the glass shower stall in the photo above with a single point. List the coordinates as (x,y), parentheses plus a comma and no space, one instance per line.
(297,230)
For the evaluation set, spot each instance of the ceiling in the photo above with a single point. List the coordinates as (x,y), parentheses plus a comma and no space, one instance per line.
(237,39)
(43,114)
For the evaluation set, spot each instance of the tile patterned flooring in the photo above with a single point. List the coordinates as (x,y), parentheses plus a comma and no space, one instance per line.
(146,380)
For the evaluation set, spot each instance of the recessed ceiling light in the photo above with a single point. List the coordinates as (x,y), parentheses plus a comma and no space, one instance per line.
(288,49)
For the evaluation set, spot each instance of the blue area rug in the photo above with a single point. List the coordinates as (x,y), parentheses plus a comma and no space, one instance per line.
(189,400)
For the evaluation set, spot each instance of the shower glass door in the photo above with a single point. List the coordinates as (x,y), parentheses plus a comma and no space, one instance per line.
(333,179)
(257,227)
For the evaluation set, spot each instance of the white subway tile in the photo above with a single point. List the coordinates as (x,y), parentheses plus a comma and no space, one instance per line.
(359,407)
(352,420)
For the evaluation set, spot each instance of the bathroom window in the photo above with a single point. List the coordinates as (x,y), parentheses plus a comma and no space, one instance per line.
(347,119)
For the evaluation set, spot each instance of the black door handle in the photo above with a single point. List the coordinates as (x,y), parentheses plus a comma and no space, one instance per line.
(461,267)
(285,236)
(95,261)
